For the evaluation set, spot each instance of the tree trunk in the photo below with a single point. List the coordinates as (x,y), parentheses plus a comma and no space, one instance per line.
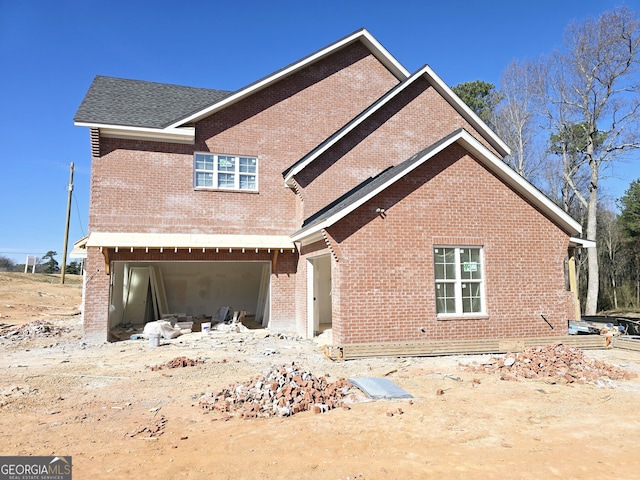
(593,281)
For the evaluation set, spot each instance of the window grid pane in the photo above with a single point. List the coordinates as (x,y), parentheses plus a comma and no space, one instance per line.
(471,301)
(247,165)
(226,180)
(204,179)
(445,298)
(226,164)
(445,267)
(247,182)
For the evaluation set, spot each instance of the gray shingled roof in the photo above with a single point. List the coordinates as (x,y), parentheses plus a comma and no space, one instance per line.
(371,184)
(136,103)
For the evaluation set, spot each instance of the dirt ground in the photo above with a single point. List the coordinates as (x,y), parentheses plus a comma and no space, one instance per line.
(119,418)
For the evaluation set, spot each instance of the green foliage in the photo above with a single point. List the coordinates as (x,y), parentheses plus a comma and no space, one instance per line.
(573,139)
(74,268)
(629,205)
(51,265)
(6,264)
(480,96)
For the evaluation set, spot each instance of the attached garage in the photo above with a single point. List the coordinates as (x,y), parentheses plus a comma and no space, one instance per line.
(193,275)
(194,288)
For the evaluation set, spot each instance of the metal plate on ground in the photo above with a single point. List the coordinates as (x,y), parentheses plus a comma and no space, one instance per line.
(379,388)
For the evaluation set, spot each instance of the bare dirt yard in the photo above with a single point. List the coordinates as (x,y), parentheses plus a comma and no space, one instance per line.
(120,411)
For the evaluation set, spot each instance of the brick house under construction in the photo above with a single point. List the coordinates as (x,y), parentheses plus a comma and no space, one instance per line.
(341,191)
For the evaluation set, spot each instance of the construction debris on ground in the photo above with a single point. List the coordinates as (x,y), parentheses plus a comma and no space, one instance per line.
(151,431)
(178,362)
(554,363)
(281,391)
(38,328)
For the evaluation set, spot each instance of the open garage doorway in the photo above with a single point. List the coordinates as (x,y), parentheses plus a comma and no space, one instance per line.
(319,308)
(195,289)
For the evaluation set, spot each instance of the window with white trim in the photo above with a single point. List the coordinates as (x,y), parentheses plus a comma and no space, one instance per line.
(458,280)
(225,172)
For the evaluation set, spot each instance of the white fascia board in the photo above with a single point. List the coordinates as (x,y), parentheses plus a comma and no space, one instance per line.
(305,239)
(372,44)
(175,135)
(469,114)
(288,180)
(489,159)
(346,211)
(186,240)
(582,242)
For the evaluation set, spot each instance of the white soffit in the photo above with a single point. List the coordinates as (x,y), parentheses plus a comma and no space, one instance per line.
(170,134)
(487,158)
(363,35)
(581,242)
(187,240)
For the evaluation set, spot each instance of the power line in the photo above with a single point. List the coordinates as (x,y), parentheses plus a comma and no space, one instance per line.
(75,197)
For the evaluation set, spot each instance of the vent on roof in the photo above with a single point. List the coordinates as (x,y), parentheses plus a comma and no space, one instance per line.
(95,142)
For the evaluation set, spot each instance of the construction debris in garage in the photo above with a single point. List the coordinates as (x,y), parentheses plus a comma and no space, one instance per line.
(281,391)
(553,363)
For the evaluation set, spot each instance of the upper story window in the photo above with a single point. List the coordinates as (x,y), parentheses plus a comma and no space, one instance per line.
(459,280)
(225,172)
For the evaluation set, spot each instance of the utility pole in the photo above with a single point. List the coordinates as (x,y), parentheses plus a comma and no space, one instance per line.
(66,229)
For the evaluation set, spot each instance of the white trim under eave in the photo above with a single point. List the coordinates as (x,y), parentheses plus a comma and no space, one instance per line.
(314,237)
(186,135)
(371,43)
(581,242)
(487,158)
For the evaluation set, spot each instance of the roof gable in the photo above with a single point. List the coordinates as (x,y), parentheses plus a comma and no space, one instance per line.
(323,219)
(435,81)
(361,35)
(136,109)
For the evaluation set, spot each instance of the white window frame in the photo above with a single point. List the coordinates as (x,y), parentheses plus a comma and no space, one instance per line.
(215,172)
(459,283)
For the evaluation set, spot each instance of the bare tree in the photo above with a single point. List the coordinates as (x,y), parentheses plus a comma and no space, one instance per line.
(514,118)
(592,89)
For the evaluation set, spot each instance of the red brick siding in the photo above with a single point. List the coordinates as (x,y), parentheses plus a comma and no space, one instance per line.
(386,265)
(415,119)
(139,186)
(148,186)
(96,298)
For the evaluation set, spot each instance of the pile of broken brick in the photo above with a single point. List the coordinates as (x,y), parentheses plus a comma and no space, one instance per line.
(554,363)
(178,362)
(281,391)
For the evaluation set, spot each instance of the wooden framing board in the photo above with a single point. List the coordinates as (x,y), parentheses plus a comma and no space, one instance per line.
(458,347)
(626,343)
(157,286)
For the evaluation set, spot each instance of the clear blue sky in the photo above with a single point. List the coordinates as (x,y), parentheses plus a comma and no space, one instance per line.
(51,50)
